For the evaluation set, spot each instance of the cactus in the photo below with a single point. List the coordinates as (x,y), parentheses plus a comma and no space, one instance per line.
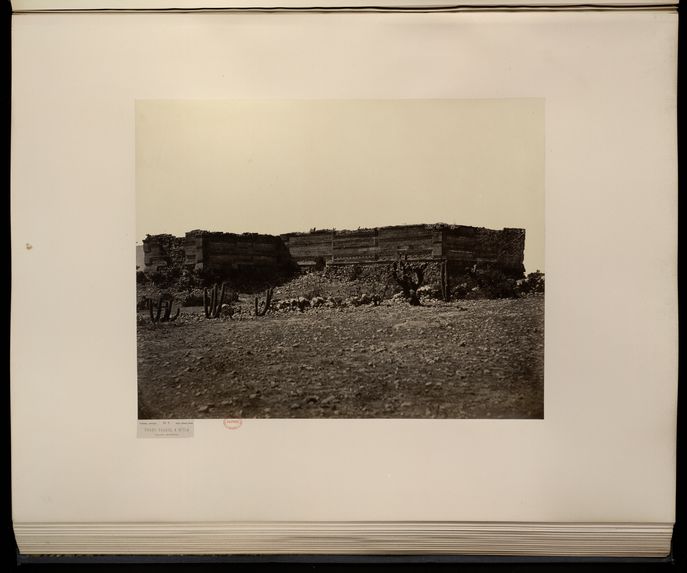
(445,289)
(213,303)
(262,308)
(162,311)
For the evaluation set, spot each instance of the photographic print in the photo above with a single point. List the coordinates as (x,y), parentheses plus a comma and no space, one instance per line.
(340,259)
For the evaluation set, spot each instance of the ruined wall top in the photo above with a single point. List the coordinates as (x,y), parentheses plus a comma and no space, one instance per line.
(462,244)
(200,233)
(427,226)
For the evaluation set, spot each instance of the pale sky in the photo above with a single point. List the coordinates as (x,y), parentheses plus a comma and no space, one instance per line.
(273,166)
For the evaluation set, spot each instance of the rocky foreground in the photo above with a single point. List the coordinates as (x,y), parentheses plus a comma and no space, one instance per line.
(466,359)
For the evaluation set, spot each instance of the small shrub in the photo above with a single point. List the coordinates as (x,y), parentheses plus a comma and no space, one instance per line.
(460,292)
(464,287)
(189,280)
(193,298)
(354,272)
(495,284)
(409,276)
(165,278)
(532,284)
(156,277)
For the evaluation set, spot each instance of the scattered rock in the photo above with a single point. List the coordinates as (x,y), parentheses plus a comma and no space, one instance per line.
(404,346)
(317,301)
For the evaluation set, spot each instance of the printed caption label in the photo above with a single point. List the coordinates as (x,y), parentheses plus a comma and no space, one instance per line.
(165,429)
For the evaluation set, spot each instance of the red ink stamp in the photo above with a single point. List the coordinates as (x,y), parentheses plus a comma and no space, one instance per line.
(232,423)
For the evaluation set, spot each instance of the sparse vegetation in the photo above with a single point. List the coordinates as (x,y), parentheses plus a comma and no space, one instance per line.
(376,282)
(162,311)
(212,303)
(410,277)
(261,308)
(334,346)
(532,284)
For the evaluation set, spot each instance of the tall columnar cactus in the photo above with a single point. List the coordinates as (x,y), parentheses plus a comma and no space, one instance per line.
(445,289)
(260,308)
(213,303)
(162,311)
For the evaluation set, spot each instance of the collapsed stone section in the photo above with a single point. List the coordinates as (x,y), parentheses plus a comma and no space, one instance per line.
(163,252)
(461,247)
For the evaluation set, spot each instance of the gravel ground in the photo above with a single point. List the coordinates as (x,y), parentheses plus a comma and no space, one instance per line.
(467,359)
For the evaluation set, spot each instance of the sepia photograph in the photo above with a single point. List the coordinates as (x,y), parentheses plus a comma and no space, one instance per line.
(340,259)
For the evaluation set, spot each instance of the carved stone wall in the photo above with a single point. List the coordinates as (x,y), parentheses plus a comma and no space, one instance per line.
(461,246)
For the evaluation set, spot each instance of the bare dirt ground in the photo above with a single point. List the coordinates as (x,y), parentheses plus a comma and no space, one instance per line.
(467,359)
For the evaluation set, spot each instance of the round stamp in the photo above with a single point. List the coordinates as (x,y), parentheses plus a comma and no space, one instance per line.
(232,423)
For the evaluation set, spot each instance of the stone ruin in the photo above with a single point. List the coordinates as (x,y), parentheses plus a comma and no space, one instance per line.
(459,247)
